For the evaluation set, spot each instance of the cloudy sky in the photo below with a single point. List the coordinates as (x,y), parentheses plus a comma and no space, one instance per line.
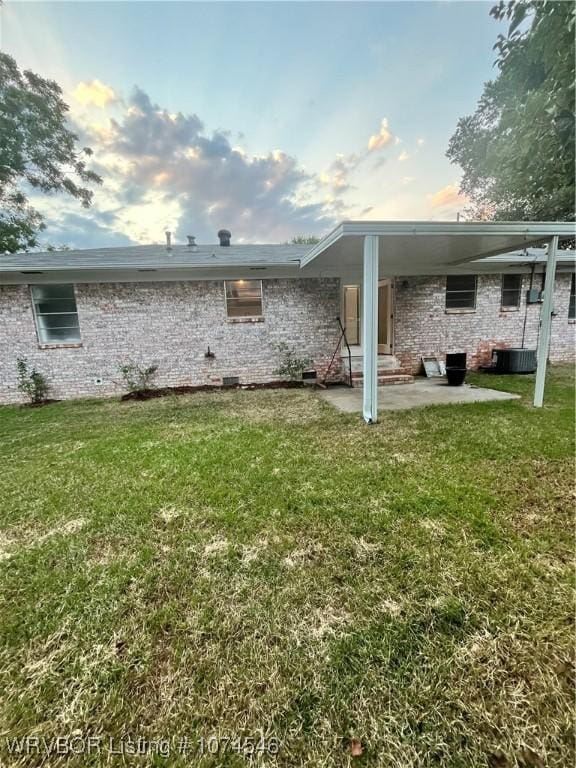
(269,119)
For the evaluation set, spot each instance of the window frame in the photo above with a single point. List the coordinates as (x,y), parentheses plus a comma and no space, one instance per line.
(244,318)
(42,342)
(511,307)
(456,310)
(572,298)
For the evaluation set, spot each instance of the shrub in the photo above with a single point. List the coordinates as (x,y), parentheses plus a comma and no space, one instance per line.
(291,366)
(135,378)
(31,382)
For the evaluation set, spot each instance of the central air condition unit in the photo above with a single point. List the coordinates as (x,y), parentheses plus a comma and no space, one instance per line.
(514,360)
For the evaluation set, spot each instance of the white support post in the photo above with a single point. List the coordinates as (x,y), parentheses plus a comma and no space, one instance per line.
(545,322)
(370,329)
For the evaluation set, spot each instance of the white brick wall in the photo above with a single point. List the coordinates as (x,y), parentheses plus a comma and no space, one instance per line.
(423,327)
(169,324)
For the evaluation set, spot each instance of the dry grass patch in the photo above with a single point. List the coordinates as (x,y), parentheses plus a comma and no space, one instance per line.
(28,538)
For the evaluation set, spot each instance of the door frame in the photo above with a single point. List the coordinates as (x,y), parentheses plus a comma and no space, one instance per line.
(387,348)
(357,348)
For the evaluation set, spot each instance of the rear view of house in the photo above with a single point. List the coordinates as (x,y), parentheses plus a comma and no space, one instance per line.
(215,314)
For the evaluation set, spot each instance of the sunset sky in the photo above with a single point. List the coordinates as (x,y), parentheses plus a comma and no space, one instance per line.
(269,119)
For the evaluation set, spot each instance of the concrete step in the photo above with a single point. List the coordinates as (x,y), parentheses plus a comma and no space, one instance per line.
(381,372)
(385,379)
(385,363)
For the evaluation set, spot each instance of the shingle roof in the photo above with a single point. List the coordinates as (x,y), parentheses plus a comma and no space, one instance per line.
(156,257)
(207,256)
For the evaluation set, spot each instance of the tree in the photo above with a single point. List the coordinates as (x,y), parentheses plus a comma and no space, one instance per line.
(55,248)
(517,149)
(37,150)
(305,240)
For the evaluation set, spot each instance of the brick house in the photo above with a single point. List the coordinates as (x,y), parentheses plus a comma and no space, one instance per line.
(212,314)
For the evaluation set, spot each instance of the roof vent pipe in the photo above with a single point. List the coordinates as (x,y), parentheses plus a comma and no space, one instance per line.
(192,243)
(168,240)
(224,237)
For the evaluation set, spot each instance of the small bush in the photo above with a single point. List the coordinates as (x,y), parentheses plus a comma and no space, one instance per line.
(31,382)
(136,378)
(291,366)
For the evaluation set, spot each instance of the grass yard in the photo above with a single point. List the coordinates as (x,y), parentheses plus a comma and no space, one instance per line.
(245,563)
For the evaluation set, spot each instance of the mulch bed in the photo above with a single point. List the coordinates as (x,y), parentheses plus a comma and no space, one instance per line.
(148,394)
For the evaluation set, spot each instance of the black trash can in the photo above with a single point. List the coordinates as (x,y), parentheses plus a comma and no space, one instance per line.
(456,368)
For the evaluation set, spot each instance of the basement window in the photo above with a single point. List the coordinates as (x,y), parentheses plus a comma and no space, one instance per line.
(56,314)
(572,302)
(243,298)
(511,291)
(461,292)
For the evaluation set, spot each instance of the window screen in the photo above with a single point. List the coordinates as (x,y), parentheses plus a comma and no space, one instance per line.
(56,314)
(243,298)
(461,292)
(572,304)
(511,291)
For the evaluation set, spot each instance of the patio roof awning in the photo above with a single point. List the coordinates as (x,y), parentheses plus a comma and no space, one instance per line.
(413,247)
(403,248)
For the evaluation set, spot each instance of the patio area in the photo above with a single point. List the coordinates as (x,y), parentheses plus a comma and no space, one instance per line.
(420,393)
(388,249)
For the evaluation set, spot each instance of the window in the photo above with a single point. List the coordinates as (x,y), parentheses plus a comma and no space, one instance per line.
(461,292)
(243,298)
(56,314)
(572,303)
(511,291)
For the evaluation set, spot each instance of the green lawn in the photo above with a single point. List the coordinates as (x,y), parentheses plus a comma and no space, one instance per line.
(245,563)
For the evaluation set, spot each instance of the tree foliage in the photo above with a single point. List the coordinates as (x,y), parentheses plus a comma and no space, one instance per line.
(304,240)
(517,149)
(38,151)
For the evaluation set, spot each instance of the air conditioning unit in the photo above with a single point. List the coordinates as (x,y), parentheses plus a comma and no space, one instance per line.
(514,360)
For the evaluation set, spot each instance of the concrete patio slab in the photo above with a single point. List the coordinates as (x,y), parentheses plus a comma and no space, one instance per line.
(420,393)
